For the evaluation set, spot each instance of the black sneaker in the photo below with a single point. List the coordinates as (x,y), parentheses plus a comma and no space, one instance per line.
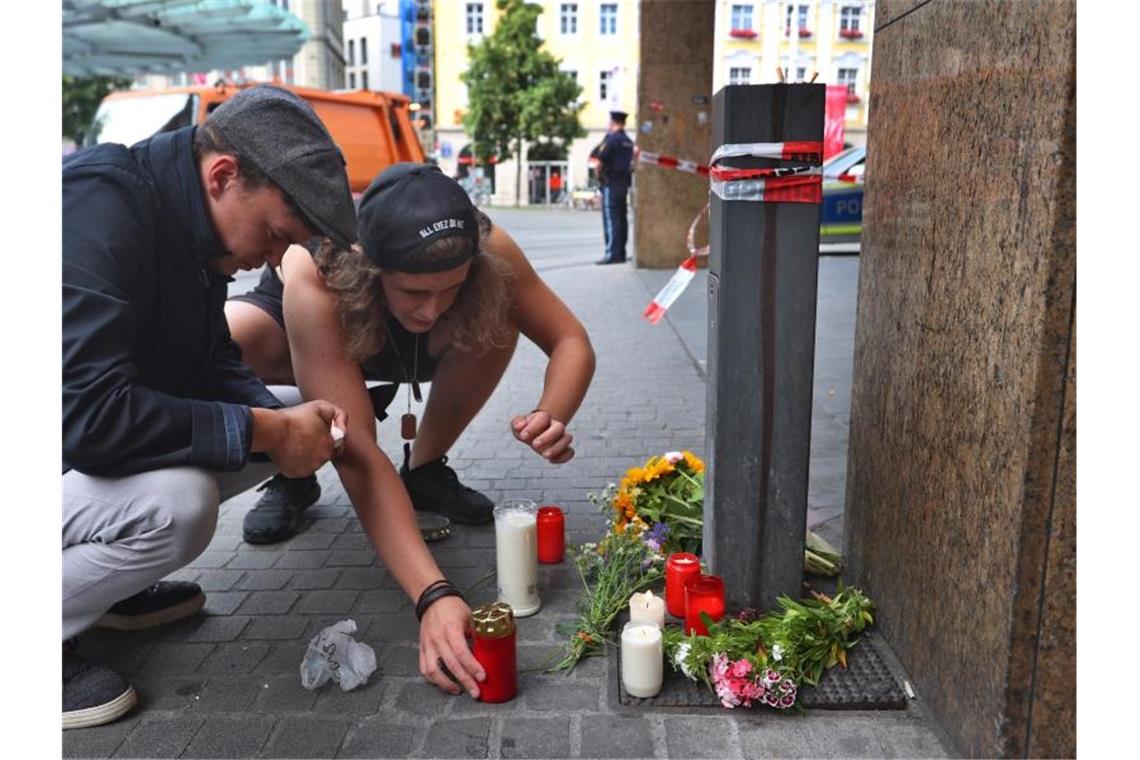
(164,602)
(92,694)
(277,514)
(434,487)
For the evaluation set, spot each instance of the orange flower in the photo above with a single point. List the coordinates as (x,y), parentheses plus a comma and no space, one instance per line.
(694,463)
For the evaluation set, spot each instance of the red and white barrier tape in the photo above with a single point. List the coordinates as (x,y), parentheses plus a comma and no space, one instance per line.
(788,184)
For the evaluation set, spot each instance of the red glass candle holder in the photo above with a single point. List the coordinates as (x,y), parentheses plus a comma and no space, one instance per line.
(679,568)
(493,644)
(704,593)
(551,535)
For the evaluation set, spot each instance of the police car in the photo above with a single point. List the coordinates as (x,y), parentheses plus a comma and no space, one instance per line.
(841,218)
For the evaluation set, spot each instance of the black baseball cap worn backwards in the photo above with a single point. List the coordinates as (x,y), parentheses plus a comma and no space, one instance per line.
(281,134)
(407,208)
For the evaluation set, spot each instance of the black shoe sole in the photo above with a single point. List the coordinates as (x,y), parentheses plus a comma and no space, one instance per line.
(104,713)
(166,615)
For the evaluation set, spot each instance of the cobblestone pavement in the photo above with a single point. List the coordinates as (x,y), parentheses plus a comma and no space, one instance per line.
(226,683)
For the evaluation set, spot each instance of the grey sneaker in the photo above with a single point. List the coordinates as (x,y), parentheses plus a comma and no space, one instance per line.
(277,514)
(92,694)
(164,602)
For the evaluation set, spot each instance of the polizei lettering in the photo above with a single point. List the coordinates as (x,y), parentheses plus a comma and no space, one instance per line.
(442,224)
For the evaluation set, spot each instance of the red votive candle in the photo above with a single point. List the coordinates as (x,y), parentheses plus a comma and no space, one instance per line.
(679,568)
(551,535)
(704,593)
(493,644)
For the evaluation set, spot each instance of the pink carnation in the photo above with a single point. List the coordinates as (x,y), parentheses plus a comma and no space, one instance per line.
(772,677)
(741,668)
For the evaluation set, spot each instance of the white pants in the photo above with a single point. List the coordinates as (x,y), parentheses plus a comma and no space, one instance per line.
(120,535)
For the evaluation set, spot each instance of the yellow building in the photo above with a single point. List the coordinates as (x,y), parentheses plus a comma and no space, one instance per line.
(595,39)
(805,37)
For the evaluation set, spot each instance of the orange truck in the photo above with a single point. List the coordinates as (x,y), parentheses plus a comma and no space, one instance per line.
(373,129)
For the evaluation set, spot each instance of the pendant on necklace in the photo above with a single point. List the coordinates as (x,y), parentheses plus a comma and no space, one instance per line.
(408,426)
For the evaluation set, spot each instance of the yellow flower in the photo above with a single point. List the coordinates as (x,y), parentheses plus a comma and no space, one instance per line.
(694,463)
(619,527)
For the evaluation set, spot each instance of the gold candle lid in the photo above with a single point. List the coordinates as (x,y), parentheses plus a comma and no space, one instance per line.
(493,621)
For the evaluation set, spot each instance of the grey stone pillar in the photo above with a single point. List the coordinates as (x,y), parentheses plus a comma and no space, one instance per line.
(762,294)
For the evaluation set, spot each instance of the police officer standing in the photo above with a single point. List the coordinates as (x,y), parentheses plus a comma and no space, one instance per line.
(615,156)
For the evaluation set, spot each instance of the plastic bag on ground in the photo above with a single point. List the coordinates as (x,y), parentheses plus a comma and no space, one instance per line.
(333,653)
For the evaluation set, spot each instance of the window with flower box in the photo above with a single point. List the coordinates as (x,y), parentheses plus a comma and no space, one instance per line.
(849,22)
(741,22)
(474,18)
(848,78)
(801,13)
(740,75)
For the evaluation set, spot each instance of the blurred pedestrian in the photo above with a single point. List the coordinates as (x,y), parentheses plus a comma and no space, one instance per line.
(615,158)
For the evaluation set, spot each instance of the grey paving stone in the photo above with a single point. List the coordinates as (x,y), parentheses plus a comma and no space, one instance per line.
(160,737)
(350,557)
(223,602)
(393,627)
(379,737)
(264,580)
(226,694)
(306,736)
(99,741)
(605,735)
(211,559)
(166,693)
(351,541)
(237,657)
(363,700)
(276,627)
(284,657)
(417,697)
(269,602)
(365,578)
(304,580)
(175,657)
(534,737)
(399,660)
(700,737)
(230,736)
(372,602)
(305,560)
(254,559)
(311,539)
(219,628)
(219,580)
(327,602)
(282,693)
(335,523)
(468,737)
(549,693)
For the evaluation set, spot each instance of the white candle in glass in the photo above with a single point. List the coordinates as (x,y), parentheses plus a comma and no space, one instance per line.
(647,608)
(516,555)
(642,659)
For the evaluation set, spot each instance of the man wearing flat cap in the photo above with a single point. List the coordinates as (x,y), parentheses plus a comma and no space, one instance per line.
(161,420)
(615,155)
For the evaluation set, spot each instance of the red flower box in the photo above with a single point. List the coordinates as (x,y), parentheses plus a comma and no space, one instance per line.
(850,34)
(852,98)
(804,32)
(743,34)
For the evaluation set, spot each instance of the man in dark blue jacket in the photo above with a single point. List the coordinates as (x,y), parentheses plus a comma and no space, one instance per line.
(160,417)
(615,154)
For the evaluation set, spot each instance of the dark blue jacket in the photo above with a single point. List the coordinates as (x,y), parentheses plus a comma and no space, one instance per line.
(616,155)
(151,377)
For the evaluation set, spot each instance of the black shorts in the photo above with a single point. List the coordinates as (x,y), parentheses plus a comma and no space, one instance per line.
(398,363)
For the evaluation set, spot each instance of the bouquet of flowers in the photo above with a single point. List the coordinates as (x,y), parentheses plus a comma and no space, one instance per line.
(763,659)
(664,499)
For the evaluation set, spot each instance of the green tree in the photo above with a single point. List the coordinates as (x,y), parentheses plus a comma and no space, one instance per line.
(81,98)
(516,92)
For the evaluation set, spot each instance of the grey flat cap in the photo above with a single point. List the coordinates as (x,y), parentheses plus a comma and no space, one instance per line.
(283,137)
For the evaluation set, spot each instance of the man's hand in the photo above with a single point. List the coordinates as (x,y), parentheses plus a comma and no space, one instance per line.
(443,643)
(546,435)
(298,439)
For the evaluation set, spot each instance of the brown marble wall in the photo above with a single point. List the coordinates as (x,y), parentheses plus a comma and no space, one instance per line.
(675,68)
(961,484)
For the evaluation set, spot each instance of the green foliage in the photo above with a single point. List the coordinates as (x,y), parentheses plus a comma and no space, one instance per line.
(611,573)
(81,98)
(516,92)
(800,642)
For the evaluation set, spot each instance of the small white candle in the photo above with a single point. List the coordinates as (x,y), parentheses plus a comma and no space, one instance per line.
(647,608)
(642,659)
(516,555)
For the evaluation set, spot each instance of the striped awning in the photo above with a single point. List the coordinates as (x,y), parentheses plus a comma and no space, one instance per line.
(130,37)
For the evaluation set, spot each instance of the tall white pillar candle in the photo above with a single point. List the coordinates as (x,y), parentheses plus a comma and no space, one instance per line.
(516,555)
(642,659)
(647,608)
